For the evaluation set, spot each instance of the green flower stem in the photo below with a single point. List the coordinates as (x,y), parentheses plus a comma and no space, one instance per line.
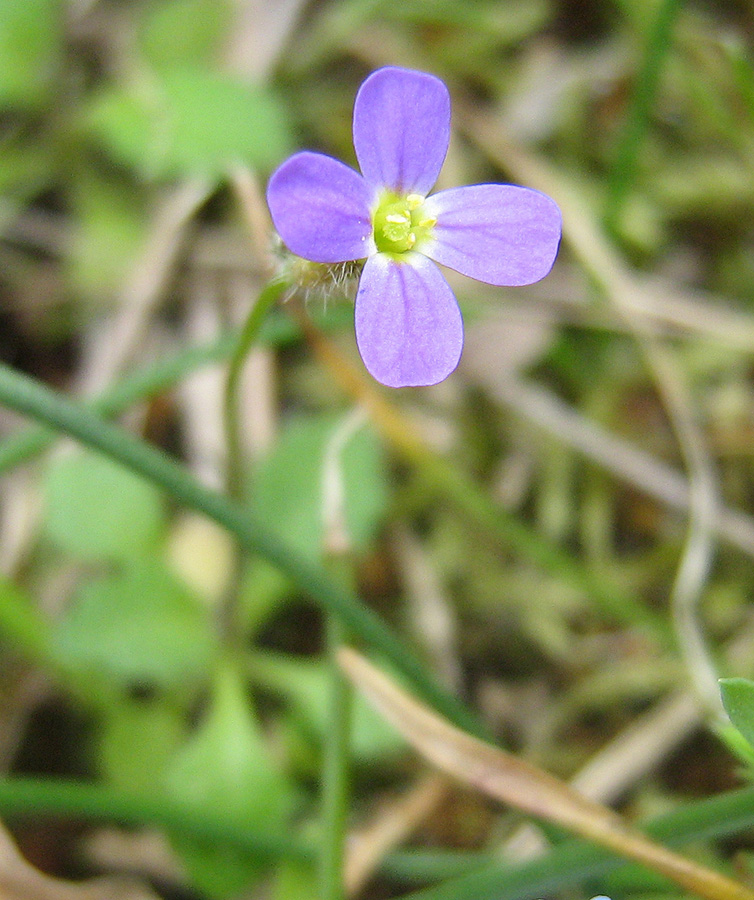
(249,335)
(30,397)
(336,751)
(230,624)
(468,875)
(337,549)
(637,120)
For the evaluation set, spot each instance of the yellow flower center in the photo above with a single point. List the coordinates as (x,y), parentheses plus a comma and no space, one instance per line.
(400,224)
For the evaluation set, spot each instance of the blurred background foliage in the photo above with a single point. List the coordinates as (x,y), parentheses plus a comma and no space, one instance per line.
(535,569)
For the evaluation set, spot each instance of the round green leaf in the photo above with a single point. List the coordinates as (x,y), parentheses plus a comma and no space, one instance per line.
(288,485)
(137,740)
(225,769)
(138,626)
(110,230)
(191,122)
(31,39)
(96,509)
(184,32)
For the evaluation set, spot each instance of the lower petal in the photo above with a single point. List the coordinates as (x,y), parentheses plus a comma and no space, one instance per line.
(408,325)
(497,233)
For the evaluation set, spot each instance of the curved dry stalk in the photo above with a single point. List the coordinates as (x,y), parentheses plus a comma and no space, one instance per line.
(516,782)
(624,290)
(337,539)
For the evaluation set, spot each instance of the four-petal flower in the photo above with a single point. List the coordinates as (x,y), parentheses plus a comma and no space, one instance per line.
(408,325)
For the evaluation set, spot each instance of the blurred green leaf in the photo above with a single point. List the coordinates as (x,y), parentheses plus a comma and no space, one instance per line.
(184,32)
(109,231)
(295,881)
(97,509)
(738,746)
(710,185)
(306,685)
(262,590)
(640,14)
(20,622)
(26,169)
(137,740)
(288,485)
(191,122)
(31,34)
(498,23)
(139,626)
(225,768)
(738,700)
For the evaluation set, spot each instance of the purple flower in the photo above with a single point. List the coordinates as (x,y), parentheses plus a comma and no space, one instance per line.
(408,325)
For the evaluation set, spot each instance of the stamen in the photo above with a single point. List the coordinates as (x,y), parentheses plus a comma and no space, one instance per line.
(399,223)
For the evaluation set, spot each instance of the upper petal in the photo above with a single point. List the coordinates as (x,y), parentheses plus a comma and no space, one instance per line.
(498,233)
(408,325)
(320,208)
(401,129)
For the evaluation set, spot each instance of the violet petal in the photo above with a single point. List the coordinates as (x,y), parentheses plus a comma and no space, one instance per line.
(497,233)
(320,208)
(408,325)
(401,129)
